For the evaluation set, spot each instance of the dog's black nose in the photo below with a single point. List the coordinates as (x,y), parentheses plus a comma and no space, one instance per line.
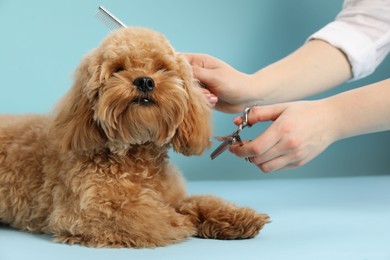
(144,84)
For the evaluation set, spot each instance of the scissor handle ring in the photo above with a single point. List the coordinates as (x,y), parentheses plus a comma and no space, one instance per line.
(245,117)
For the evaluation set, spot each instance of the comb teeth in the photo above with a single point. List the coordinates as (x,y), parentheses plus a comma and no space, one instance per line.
(108,19)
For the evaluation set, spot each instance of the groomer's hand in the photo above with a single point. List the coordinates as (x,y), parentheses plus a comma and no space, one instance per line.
(226,88)
(299,132)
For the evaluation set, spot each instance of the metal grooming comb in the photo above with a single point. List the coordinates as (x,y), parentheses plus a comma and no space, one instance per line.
(108,19)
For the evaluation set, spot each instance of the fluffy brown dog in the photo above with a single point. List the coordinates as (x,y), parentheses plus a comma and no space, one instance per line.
(96,171)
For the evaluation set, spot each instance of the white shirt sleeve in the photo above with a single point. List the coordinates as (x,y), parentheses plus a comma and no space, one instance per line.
(362,31)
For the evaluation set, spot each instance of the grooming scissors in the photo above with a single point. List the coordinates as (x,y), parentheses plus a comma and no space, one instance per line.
(229,140)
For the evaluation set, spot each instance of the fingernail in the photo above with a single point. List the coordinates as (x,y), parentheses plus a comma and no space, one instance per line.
(213,99)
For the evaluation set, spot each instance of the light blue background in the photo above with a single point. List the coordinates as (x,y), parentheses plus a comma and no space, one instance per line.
(42,42)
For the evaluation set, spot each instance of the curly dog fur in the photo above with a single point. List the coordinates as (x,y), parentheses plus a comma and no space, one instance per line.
(96,171)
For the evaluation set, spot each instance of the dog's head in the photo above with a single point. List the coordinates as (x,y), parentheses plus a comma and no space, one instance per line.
(133,89)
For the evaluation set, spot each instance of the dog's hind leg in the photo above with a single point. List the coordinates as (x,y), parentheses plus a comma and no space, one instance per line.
(219,219)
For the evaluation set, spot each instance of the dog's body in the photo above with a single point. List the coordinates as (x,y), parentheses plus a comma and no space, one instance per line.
(96,171)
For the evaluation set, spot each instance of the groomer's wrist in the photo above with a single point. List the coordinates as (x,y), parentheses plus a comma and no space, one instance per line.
(337,128)
(261,88)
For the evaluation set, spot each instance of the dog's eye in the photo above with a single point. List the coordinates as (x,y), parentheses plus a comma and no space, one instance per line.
(118,69)
(160,67)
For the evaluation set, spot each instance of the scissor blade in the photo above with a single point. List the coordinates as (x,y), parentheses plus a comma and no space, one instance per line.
(220,149)
(223,138)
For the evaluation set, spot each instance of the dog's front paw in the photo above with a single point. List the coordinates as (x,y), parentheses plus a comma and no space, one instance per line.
(218,219)
(239,223)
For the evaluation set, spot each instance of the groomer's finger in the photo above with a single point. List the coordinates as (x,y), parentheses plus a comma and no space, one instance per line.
(258,146)
(262,114)
(265,141)
(211,98)
(281,162)
(201,60)
(272,153)
(205,76)
(195,59)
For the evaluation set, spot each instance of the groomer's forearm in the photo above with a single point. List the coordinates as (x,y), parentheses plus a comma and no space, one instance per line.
(315,67)
(360,111)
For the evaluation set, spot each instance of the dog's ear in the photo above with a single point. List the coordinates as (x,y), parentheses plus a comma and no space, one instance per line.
(73,120)
(193,134)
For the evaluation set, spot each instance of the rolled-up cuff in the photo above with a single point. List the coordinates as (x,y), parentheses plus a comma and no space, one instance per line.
(357,46)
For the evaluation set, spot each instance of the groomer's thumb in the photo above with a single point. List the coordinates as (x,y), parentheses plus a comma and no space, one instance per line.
(262,114)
